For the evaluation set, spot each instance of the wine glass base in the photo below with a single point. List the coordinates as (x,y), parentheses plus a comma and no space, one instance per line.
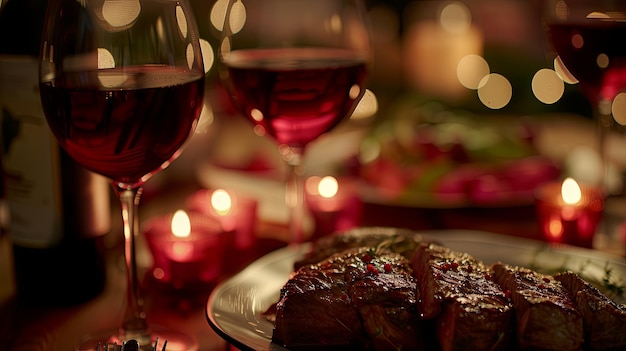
(176,341)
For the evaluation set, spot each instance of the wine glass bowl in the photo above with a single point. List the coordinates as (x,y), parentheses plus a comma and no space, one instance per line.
(295,69)
(95,97)
(122,88)
(585,35)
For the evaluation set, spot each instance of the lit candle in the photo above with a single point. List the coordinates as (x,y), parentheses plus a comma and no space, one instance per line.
(333,204)
(187,249)
(235,213)
(568,212)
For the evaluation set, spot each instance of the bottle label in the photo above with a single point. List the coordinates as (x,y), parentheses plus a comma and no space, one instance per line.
(29,155)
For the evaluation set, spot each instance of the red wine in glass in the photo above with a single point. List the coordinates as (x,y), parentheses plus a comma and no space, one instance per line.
(592,50)
(296,95)
(108,131)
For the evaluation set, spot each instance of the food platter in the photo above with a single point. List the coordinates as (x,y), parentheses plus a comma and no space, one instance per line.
(235,306)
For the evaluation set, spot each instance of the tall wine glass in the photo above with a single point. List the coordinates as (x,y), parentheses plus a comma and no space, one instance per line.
(587,36)
(122,85)
(296,69)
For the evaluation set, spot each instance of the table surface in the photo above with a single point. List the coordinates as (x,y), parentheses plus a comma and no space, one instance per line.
(33,328)
(57,329)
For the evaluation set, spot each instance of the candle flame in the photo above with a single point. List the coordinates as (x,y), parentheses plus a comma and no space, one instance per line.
(181,225)
(221,201)
(328,187)
(570,192)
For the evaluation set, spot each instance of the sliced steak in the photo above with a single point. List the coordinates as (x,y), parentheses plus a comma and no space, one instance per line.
(604,320)
(314,311)
(472,312)
(361,298)
(547,317)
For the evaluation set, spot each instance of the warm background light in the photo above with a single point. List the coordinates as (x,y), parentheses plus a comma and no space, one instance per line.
(181,225)
(208,56)
(237,15)
(618,108)
(547,86)
(570,191)
(120,13)
(471,70)
(221,201)
(367,106)
(563,72)
(495,91)
(328,187)
(181,19)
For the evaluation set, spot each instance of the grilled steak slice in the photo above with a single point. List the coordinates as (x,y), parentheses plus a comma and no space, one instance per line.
(402,241)
(547,317)
(604,321)
(472,312)
(315,310)
(359,298)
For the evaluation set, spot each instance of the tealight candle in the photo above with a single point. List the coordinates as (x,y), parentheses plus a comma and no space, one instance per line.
(187,249)
(568,212)
(333,204)
(235,213)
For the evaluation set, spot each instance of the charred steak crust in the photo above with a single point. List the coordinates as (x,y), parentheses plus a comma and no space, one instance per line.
(357,298)
(547,317)
(402,241)
(604,321)
(472,312)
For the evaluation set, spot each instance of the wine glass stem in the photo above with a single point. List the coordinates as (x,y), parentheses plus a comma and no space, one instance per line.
(134,325)
(604,120)
(294,196)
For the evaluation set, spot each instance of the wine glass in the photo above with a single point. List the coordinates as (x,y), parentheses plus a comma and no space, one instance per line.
(586,35)
(295,69)
(122,87)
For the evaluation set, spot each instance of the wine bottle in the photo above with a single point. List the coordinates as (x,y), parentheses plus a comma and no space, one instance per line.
(58,211)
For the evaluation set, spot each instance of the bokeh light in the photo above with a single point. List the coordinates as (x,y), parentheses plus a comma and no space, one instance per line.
(105,59)
(237,15)
(181,19)
(221,201)
(547,86)
(208,57)
(495,91)
(471,70)
(618,108)
(455,18)
(328,187)
(367,106)
(120,13)
(563,72)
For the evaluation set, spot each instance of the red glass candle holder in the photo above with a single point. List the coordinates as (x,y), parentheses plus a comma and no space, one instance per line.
(239,216)
(562,222)
(190,261)
(339,212)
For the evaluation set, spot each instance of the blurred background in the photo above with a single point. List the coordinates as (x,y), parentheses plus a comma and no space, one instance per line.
(465,117)
(428,111)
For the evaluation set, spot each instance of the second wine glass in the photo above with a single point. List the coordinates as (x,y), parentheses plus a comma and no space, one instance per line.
(586,36)
(296,69)
(122,87)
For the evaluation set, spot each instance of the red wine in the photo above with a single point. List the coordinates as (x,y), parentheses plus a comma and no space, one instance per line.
(113,131)
(296,95)
(594,53)
(59,212)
